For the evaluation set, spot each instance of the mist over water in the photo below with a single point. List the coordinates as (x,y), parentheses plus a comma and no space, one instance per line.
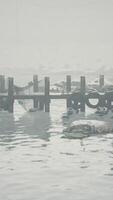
(47,36)
(54,38)
(37,163)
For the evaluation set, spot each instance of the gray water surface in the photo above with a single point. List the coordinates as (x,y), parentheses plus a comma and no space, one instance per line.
(36,163)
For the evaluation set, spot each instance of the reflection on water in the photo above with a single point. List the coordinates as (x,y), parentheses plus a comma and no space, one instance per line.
(37,163)
(7,128)
(36,125)
(30,125)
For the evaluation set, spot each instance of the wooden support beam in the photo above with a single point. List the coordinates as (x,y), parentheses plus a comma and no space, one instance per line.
(35,102)
(10,94)
(35,90)
(82,84)
(68,102)
(101,81)
(35,84)
(68,83)
(68,90)
(2,83)
(82,91)
(47,92)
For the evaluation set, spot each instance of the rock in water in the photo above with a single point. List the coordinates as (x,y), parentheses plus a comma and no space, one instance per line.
(85,128)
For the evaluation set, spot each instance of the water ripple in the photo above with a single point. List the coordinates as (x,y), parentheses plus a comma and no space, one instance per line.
(36,163)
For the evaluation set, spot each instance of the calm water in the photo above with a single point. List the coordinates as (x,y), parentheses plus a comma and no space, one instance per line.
(37,163)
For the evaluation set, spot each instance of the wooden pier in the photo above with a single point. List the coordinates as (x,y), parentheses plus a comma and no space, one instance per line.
(41,101)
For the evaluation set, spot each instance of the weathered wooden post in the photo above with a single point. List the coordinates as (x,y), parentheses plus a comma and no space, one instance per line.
(35,90)
(47,91)
(101,81)
(10,94)
(69,102)
(35,102)
(68,83)
(82,91)
(2,83)
(68,90)
(35,83)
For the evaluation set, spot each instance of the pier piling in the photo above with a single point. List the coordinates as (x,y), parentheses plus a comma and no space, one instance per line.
(10,94)
(35,83)
(69,102)
(101,81)
(2,83)
(68,83)
(35,90)
(77,99)
(47,91)
(68,90)
(82,91)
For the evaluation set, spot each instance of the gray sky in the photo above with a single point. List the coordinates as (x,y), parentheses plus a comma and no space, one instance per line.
(55,34)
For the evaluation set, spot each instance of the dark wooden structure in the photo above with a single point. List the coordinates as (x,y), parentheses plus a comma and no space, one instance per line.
(82,91)
(101,81)
(10,98)
(35,90)
(77,100)
(2,83)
